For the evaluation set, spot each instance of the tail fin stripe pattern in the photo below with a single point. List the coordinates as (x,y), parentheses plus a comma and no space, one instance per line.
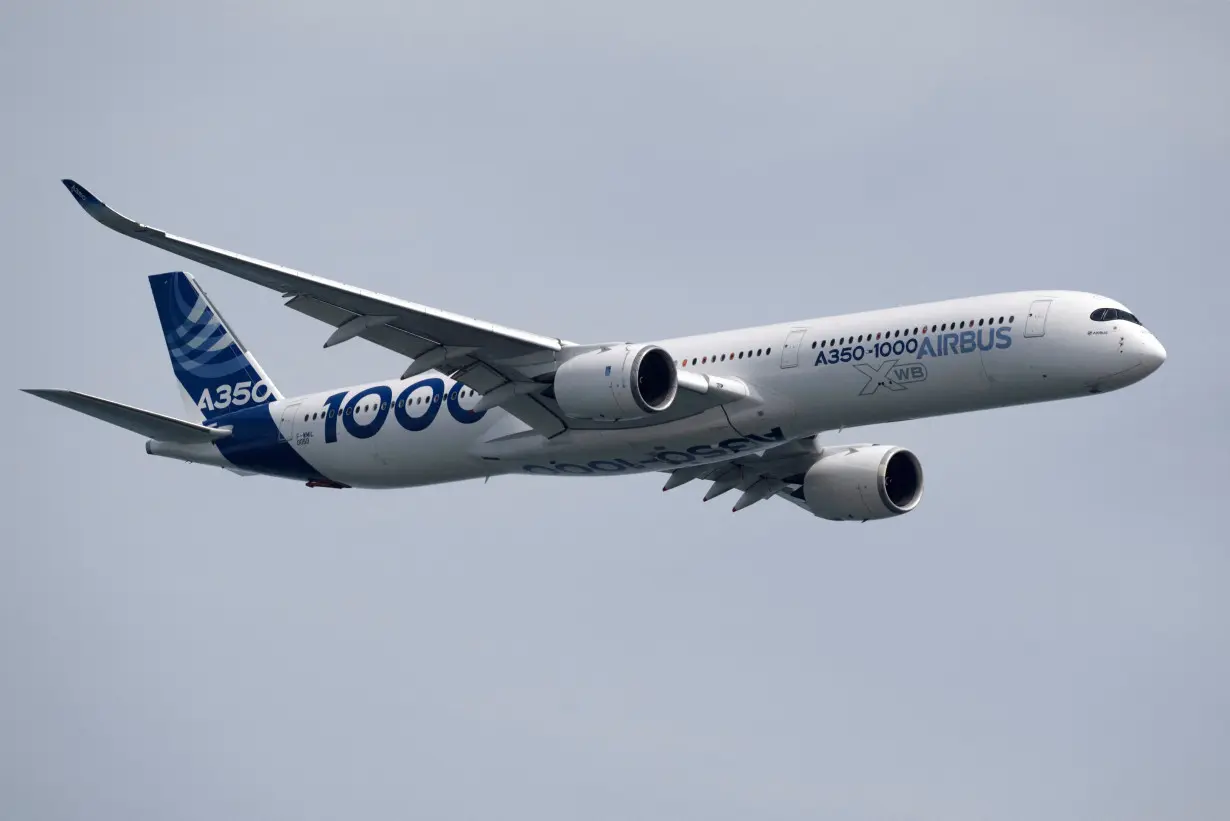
(209,345)
(214,334)
(196,349)
(201,324)
(216,372)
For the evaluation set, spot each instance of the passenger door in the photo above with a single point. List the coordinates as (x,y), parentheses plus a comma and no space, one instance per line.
(286,428)
(1035,323)
(790,350)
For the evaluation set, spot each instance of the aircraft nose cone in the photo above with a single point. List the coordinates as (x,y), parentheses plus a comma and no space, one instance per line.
(1153,355)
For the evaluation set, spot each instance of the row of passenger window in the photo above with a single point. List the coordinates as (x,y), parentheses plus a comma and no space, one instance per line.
(917,331)
(715,358)
(1100,315)
(844,340)
(375,406)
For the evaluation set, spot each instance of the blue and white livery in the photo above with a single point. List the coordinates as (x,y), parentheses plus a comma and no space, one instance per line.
(213,367)
(740,409)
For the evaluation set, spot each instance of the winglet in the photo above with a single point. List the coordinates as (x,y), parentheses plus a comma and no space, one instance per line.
(87,200)
(100,211)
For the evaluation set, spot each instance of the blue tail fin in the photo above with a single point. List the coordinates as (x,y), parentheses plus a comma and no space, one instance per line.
(213,367)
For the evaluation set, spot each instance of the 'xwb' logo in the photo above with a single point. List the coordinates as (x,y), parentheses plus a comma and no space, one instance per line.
(890,375)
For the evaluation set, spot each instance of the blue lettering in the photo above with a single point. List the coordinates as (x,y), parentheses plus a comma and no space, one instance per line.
(774,435)
(926,349)
(735,445)
(462,415)
(706,451)
(990,343)
(671,457)
(898,347)
(401,409)
(1004,335)
(968,343)
(912,345)
(334,405)
(370,429)
(858,353)
(952,344)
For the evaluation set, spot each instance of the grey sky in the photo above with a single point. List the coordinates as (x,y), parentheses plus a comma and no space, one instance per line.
(1046,637)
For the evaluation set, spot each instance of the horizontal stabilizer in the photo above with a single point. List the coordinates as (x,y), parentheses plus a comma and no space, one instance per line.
(154,425)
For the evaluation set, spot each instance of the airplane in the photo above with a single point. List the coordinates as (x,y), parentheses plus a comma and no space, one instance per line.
(741,409)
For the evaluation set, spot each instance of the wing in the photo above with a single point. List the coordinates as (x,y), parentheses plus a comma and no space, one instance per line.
(510,368)
(776,472)
(481,355)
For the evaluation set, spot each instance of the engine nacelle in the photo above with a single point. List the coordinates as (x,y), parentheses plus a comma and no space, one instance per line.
(867,482)
(620,382)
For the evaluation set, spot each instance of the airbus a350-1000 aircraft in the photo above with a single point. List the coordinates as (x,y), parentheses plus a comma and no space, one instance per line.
(740,409)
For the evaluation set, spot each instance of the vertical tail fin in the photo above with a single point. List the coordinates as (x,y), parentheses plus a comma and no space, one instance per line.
(213,367)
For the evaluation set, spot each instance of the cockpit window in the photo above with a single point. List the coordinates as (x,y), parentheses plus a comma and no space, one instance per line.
(1107,314)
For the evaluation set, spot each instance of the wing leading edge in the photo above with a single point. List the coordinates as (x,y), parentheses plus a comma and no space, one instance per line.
(510,367)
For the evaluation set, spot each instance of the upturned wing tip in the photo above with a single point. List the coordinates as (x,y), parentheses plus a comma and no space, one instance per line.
(82,195)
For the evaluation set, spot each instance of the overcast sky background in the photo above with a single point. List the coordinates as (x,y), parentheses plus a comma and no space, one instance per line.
(1045,637)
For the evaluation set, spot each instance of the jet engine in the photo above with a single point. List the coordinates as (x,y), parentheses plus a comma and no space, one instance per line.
(863,482)
(618,382)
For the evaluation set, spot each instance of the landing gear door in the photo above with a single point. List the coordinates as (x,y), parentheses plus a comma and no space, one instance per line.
(286,428)
(1035,323)
(790,350)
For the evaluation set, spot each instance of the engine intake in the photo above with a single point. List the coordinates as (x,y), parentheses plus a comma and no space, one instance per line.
(620,382)
(864,482)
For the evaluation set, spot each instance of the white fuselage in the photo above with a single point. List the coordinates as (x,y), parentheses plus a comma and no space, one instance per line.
(805,377)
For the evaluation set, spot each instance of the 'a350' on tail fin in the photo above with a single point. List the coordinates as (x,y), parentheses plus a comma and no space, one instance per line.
(213,367)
